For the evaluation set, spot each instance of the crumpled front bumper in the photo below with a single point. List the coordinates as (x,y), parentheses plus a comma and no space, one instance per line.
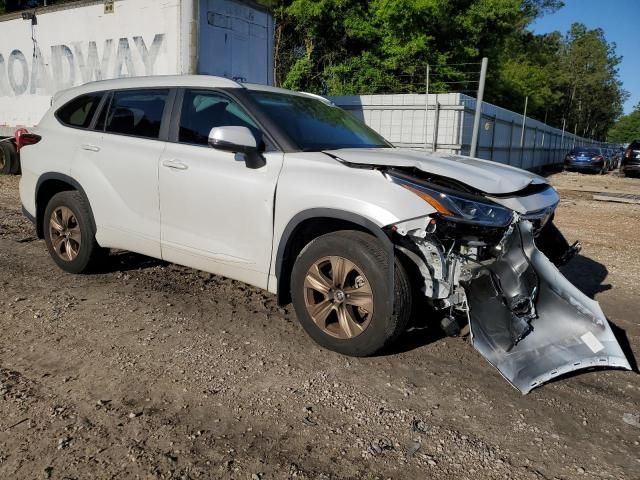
(531,323)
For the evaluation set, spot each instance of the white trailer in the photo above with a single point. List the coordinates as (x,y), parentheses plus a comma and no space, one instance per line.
(53,48)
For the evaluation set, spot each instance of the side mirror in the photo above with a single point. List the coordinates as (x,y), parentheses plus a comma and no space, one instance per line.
(238,140)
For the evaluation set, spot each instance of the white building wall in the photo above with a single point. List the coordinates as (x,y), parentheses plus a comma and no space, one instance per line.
(76,45)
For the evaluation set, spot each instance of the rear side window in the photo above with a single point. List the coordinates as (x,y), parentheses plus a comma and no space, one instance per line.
(137,112)
(79,111)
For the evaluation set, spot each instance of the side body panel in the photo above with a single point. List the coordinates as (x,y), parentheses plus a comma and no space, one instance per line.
(317,181)
(217,214)
(121,182)
(51,154)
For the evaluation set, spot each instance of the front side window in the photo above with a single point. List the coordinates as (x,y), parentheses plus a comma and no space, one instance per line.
(79,111)
(137,112)
(203,110)
(314,125)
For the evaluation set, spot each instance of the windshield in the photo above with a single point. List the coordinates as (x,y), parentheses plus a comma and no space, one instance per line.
(315,126)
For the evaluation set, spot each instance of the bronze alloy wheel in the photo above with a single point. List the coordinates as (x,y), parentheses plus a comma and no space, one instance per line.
(338,297)
(65,233)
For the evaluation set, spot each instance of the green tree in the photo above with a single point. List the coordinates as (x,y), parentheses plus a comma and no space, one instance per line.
(627,128)
(371,46)
(587,76)
(382,46)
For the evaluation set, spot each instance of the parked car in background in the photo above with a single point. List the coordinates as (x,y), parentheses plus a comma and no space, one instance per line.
(616,157)
(589,159)
(631,159)
(608,158)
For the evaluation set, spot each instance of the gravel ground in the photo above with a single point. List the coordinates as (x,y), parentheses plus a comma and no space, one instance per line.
(150,370)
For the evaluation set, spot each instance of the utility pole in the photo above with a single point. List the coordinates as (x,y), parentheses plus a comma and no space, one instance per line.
(476,118)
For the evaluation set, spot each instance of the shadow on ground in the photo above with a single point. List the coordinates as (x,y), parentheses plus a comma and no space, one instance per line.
(587,274)
(123,261)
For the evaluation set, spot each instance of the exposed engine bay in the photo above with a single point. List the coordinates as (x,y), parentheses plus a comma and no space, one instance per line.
(497,270)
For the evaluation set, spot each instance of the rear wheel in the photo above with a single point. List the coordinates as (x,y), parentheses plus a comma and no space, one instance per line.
(340,292)
(8,159)
(69,233)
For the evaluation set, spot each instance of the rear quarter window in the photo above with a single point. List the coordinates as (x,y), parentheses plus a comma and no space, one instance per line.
(80,111)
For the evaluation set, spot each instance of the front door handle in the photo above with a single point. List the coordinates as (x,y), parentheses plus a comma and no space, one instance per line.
(175,164)
(89,147)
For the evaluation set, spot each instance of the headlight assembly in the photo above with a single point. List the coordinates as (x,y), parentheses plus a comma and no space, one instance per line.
(459,207)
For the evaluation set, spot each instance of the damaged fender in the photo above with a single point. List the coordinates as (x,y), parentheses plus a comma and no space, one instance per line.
(533,324)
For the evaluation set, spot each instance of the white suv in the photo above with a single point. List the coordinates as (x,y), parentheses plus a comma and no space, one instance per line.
(287,192)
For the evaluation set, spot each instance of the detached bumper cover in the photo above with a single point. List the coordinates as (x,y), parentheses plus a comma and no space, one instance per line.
(531,323)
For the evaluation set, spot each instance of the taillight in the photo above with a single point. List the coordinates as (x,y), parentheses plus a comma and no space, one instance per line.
(24,138)
(597,158)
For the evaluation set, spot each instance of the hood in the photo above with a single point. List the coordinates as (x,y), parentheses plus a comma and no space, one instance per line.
(484,175)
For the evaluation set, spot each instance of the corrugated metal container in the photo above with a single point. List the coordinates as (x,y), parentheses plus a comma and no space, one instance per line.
(449,120)
(79,42)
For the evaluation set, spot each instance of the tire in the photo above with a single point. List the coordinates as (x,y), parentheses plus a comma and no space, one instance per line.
(9,163)
(377,323)
(81,242)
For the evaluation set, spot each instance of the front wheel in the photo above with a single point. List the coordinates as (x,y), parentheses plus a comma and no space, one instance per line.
(341,293)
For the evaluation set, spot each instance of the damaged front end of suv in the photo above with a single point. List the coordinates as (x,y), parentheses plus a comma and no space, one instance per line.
(491,260)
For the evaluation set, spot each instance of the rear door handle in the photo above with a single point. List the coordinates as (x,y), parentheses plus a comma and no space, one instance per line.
(175,164)
(90,148)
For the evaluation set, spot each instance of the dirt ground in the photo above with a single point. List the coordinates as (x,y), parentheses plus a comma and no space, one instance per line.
(150,370)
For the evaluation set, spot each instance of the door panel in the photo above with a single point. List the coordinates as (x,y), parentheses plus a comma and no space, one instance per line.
(216,214)
(119,171)
(124,173)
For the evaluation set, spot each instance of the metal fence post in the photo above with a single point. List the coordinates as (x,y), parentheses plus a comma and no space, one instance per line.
(436,121)
(535,141)
(523,134)
(524,120)
(513,122)
(493,136)
(478,114)
(426,106)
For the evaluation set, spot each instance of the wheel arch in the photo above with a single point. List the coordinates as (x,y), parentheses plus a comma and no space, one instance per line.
(310,224)
(47,186)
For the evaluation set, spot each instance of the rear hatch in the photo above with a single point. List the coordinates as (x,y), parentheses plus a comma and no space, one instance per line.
(632,154)
(584,155)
